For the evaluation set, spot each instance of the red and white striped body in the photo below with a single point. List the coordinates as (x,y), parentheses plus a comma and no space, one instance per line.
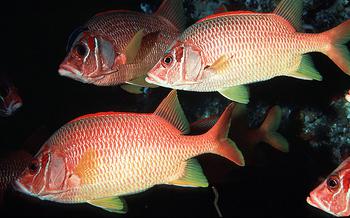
(103,155)
(127,153)
(256,47)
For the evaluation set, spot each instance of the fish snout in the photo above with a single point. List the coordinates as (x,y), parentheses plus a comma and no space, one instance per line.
(73,73)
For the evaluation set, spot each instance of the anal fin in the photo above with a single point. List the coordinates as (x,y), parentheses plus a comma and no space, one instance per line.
(238,94)
(112,204)
(193,176)
(306,70)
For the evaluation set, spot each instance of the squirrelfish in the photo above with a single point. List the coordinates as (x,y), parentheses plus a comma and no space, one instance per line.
(333,194)
(100,157)
(10,101)
(121,46)
(11,167)
(222,52)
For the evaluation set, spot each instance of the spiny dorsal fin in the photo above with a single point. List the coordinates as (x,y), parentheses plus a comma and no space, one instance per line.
(292,11)
(112,204)
(306,70)
(193,176)
(173,11)
(171,110)
(134,46)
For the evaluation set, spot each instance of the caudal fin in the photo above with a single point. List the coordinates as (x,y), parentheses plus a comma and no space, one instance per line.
(337,50)
(269,128)
(225,147)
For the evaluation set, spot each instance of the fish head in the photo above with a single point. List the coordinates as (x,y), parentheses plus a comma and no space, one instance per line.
(45,176)
(10,101)
(90,59)
(180,68)
(332,195)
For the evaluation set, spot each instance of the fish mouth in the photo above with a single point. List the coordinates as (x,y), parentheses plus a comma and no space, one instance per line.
(68,71)
(17,186)
(156,81)
(310,201)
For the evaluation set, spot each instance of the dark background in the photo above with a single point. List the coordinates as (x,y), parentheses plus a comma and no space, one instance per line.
(33,40)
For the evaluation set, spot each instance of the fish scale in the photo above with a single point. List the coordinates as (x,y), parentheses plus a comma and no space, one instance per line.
(97,158)
(250,62)
(132,23)
(110,144)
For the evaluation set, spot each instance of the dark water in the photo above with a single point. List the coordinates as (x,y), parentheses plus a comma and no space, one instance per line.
(33,39)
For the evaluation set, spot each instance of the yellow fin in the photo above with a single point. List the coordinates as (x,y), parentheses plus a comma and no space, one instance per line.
(238,94)
(292,11)
(87,162)
(140,81)
(134,46)
(132,89)
(193,176)
(306,70)
(112,204)
(220,64)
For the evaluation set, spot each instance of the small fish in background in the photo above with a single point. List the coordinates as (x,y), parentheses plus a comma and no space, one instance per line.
(332,195)
(12,164)
(98,158)
(246,138)
(223,52)
(10,101)
(119,46)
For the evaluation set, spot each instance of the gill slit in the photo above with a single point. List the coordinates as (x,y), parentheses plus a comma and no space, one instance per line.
(45,172)
(96,58)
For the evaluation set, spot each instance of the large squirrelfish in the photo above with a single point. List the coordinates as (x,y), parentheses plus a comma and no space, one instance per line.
(333,194)
(224,51)
(100,157)
(121,46)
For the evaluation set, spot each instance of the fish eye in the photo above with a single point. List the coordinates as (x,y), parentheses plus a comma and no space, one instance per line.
(81,49)
(333,183)
(34,167)
(167,60)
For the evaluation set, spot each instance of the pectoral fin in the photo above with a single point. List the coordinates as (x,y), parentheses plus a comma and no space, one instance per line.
(134,46)
(140,81)
(238,94)
(192,177)
(112,204)
(220,65)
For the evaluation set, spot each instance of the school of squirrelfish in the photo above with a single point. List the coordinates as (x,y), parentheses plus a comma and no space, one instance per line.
(99,158)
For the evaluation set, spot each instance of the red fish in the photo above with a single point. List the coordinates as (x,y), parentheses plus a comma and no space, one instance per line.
(120,46)
(225,51)
(246,138)
(10,101)
(98,158)
(333,195)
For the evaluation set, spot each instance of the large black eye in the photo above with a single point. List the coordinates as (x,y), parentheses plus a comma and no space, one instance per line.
(81,49)
(34,166)
(167,60)
(333,183)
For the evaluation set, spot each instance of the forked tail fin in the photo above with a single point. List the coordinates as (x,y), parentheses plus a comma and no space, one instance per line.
(225,147)
(269,130)
(337,51)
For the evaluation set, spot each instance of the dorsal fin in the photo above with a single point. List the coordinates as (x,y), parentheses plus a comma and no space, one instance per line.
(171,110)
(292,11)
(224,14)
(173,11)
